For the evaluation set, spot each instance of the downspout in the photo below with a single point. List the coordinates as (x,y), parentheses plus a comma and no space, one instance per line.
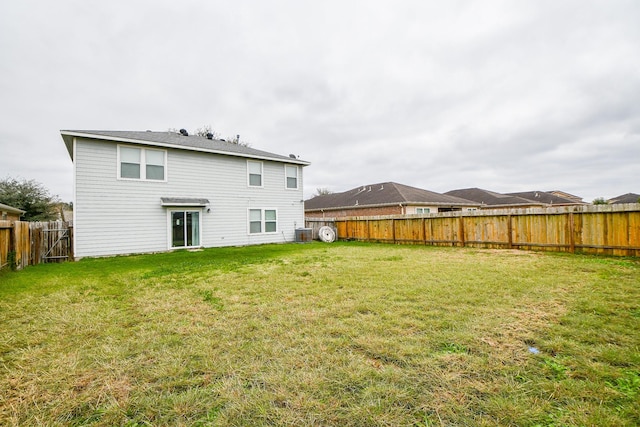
(403,209)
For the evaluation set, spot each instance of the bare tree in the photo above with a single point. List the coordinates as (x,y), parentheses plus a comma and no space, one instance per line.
(322,191)
(236,140)
(207,129)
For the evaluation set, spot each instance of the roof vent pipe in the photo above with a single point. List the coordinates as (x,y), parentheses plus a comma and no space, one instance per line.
(209,135)
(184,132)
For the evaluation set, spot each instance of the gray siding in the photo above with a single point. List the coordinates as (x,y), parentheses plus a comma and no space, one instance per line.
(115,216)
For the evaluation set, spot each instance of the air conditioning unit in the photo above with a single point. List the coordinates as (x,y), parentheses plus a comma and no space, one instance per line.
(304,235)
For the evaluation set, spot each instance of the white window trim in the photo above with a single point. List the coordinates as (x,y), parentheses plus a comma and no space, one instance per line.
(287,176)
(423,212)
(261,174)
(170,228)
(262,221)
(143,164)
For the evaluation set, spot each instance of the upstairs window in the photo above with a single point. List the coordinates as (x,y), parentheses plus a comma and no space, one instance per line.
(291,177)
(130,162)
(154,160)
(141,163)
(254,170)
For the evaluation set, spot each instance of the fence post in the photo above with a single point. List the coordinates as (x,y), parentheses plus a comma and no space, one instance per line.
(368,231)
(71,249)
(510,231)
(393,229)
(572,240)
(461,230)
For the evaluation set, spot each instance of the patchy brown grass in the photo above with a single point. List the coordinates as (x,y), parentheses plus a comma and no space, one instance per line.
(341,334)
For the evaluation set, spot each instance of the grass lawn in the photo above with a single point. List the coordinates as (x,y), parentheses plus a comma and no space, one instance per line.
(343,334)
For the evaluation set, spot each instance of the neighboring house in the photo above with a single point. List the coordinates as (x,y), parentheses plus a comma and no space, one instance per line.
(548,199)
(566,195)
(138,192)
(387,198)
(9,213)
(492,200)
(63,212)
(625,198)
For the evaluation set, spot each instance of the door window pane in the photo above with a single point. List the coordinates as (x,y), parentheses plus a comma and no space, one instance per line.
(177,229)
(192,228)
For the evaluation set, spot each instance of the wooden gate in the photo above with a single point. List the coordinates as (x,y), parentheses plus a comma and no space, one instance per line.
(51,242)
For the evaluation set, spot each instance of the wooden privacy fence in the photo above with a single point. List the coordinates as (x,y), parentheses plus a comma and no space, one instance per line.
(31,243)
(316,224)
(599,229)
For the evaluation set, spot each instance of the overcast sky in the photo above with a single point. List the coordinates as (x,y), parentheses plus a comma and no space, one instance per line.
(502,95)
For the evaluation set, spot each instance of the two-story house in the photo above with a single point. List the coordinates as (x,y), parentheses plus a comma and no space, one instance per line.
(137,192)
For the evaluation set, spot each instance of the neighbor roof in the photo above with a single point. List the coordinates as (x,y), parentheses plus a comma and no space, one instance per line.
(7,208)
(490,198)
(383,194)
(625,198)
(566,195)
(546,198)
(178,141)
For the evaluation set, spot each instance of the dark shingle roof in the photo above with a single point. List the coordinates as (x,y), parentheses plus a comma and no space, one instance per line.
(566,195)
(546,198)
(176,140)
(490,198)
(625,198)
(386,193)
